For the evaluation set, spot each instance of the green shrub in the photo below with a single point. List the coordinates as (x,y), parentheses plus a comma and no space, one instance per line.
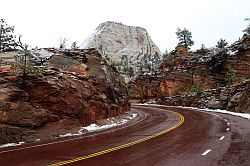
(231,77)
(197,88)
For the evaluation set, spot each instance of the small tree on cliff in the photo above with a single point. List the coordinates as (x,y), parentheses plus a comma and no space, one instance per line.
(231,76)
(131,72)
(222,43)
(74,46)
(185,37)
(203,50)
(63,43)
(165,54)
(7,38)
(23,62)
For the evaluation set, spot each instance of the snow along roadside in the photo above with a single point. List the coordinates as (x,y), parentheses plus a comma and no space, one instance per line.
(11,144)
(243,115)
(112,122)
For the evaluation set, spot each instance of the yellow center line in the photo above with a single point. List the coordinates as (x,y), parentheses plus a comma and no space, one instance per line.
(181,121)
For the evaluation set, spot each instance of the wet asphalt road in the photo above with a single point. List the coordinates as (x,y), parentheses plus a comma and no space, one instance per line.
(203,139)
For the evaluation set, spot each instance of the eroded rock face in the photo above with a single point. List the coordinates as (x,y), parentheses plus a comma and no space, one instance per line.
(116,39)
(232,98)
(208,70)
(124,44)
(23,114)
(64,96)
(183,71)
(145,89)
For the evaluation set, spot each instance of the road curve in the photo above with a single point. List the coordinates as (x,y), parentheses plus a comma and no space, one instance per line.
(157,137)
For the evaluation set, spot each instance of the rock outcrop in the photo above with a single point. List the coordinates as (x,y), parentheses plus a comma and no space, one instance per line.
(75,88)
(183,71)
(209,70)
(232,98)
(145,89)
(126,46)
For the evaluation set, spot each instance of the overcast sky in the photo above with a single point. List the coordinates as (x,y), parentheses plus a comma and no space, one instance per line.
(43,22)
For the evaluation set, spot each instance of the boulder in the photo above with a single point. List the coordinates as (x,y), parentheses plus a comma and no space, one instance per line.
(214,104)
(22,114)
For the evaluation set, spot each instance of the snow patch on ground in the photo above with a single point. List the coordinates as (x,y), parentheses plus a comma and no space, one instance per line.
(11,144)
(243,115)
(94,127)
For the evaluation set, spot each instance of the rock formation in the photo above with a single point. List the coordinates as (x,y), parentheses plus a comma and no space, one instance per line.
(126,46)
(75,88)
(183,71)
(234,98)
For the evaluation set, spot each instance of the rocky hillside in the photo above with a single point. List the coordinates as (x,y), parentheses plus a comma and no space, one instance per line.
(184,71)
(127,47)
(72,89)
(234,98)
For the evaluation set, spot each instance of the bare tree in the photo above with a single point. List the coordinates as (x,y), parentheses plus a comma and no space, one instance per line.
(74,46)
(63,43)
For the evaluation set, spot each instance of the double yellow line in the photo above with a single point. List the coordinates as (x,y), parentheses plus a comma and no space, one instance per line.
(181,121)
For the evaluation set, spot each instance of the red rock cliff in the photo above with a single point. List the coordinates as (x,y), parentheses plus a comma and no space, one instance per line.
(75,88)
(181,73)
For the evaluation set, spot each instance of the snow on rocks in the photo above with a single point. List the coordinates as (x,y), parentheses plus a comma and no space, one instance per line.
(42,53)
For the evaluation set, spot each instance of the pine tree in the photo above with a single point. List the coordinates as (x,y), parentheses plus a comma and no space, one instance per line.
(203,50)
(222,43)
(124,61)
(156,61)
(165,54)
(131,72)
(24,62)
(231,76)
(185,37)
(203,47)
(7,38)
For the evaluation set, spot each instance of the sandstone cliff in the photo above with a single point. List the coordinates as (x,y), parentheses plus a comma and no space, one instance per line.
(183,72)
(126,46)
(75,88)
(234,98)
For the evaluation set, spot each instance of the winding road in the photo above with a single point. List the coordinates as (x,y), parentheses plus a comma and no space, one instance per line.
(159,136)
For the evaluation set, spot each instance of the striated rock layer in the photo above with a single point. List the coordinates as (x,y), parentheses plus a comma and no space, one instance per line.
(75,88)
(232,98)
(119,42)
(183,71)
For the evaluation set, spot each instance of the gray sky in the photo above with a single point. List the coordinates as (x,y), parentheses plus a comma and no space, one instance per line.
(43,22)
